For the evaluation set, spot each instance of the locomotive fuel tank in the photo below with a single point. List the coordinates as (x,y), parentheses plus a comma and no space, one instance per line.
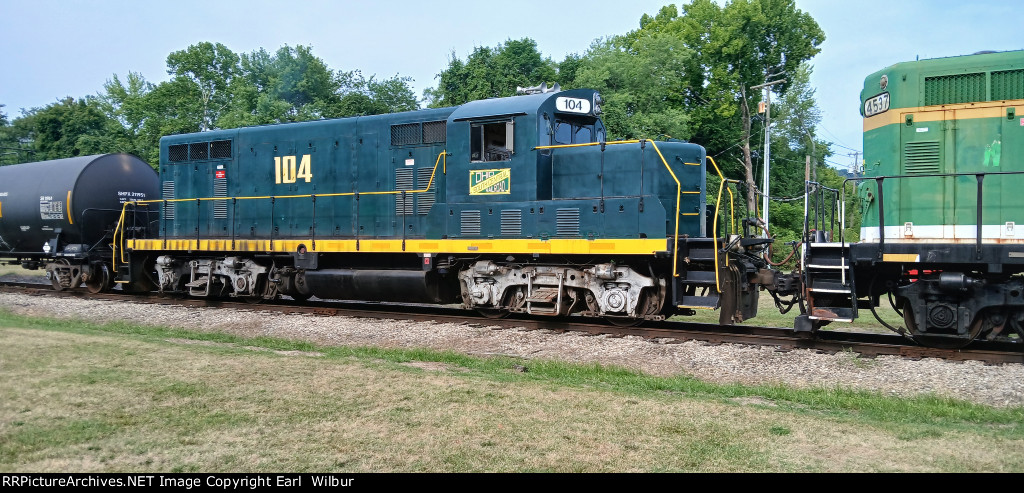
(47,205)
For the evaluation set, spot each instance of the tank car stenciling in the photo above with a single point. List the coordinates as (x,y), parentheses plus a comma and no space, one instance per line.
(508,205)
(944,153)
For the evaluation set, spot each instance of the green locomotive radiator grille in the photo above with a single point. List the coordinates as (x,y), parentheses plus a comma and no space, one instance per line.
(949,89)
(1008,84)
(470,223)
(512,222)
(921,158)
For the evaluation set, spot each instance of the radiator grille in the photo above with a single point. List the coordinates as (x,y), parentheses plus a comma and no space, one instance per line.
(177,153)
(405,134)
(959,88)
(920,158)
(470,223)
(198,150)
(512,222)
(220,149)
(434,132)
(1008,84)
(567,222)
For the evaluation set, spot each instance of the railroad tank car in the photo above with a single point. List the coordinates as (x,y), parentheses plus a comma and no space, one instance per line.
(515,204)
(62,214)
(940,200)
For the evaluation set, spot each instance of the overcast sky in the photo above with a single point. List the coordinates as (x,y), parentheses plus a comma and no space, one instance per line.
(56,48)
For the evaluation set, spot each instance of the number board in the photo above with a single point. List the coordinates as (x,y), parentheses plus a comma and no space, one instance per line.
(876,105)
(572,105)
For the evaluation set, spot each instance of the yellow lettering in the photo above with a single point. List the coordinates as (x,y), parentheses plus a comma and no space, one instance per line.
(288,169)
(305,171)
(285,169)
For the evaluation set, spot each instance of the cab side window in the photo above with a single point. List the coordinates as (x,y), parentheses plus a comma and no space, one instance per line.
(491,141)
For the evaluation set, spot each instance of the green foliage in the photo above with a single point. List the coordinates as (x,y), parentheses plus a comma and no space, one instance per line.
(69,128)
(641,81)
(491,72)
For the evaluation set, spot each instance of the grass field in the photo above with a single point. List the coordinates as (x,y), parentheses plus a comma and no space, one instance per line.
(81,397)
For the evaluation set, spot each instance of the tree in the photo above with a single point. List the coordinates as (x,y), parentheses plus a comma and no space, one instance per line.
(490,73)
(69,128)
(742,44)
(203,74)
(641,81)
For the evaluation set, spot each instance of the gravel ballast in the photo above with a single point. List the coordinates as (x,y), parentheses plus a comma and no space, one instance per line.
(725,363)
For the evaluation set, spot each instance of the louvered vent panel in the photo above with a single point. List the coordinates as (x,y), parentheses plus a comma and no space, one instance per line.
(405,134)
(512,222)
(1008,84)
(176,153)
(470,223)
(434,132)
(424,200)
(567,222)
(220,207)
(168,194)
(949,89)
(403,181)
(921,158)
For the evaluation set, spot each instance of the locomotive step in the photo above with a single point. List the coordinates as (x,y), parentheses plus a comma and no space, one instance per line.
(198,283)
(699,302)
(543,295)
(824,286)
(699,278)
(832,313)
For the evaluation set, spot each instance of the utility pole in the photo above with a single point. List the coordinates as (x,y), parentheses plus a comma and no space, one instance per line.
(856,163)
(767,86)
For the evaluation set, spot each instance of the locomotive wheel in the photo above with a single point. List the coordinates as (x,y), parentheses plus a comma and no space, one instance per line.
(494,313)
(931,340)
(100,281)
(624,321)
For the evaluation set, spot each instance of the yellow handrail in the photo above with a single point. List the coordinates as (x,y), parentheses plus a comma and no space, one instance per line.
(679,188)
(714,225)
(119,230)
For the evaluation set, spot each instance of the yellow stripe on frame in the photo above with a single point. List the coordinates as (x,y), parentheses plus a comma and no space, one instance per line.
(620,246)
(901,257)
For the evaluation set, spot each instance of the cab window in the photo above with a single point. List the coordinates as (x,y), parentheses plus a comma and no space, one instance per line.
(491,141)
(573,132)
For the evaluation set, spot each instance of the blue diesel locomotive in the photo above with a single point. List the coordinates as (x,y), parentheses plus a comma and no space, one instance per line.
(507,205)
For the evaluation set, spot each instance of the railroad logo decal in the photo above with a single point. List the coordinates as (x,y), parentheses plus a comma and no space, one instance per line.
(490,181)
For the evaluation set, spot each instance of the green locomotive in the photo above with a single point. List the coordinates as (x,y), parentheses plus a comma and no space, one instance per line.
(941,195)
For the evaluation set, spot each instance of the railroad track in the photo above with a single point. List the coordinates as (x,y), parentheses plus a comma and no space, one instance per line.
(829,341)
